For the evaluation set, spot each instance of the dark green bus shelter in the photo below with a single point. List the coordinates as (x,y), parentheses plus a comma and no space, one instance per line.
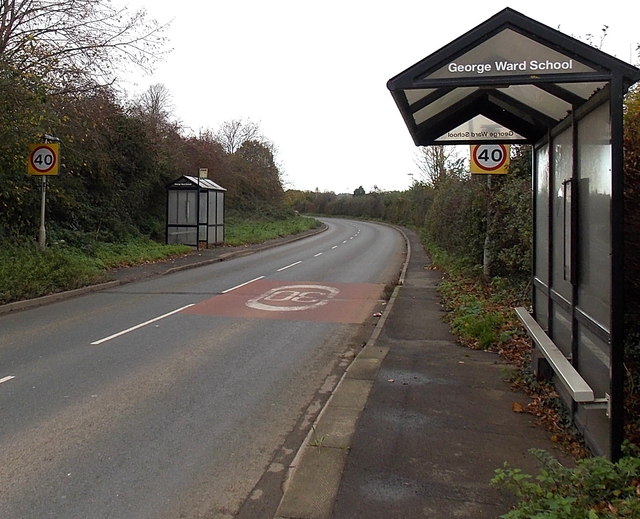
(195,212)
(513,80)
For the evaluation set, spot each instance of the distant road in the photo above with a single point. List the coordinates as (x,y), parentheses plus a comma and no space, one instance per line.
(171,397)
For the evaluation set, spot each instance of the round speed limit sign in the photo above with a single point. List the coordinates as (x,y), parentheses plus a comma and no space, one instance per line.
(43,159)
(489,158)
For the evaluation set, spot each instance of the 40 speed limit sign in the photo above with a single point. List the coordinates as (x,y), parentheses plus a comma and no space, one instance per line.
(44,159)
(492,159)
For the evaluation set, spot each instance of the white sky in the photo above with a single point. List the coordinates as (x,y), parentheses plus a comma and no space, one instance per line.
(313,75)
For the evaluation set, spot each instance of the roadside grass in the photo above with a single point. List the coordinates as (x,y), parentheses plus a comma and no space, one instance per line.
(242,231)
(27,272)
(135,252)
(480,314)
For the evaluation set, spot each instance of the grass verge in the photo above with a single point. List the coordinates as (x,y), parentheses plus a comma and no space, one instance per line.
(27,272)
(242,231)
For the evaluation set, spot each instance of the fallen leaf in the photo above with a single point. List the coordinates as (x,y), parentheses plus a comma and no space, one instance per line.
(517,407)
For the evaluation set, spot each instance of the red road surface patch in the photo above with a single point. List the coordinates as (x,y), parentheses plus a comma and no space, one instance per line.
(295,301)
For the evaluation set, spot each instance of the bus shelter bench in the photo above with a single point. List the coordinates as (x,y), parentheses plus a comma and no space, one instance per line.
(578,388)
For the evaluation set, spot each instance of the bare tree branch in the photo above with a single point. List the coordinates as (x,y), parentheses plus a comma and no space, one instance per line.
(437,163)
(70,43)
(232,134)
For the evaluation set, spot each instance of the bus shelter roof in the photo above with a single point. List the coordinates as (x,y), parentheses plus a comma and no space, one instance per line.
(508,80)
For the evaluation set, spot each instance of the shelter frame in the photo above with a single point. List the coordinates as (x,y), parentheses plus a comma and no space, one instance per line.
(195,212)
(514,80)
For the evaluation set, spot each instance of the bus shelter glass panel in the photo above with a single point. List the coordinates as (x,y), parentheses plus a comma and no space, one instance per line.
(202,208)
(541,254)
(413,96)
(189,202)
(545,102)
(561,251)
(594,280)
(220,217)
(178,234)
(446,101)
(594,173)
(595,367)
(181,216)
(202,216)
(172,208)
(212,208)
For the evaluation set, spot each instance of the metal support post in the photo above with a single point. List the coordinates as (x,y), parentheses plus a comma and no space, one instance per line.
(42,236)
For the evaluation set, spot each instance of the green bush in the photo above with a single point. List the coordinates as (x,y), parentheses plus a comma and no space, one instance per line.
(455,220)
(595,489)
(510,222)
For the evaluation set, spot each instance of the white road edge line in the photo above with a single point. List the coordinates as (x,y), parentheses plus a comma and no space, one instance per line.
(241,285)
(6,379)
(334,247)
(95,343)
(319,254)
(289,266)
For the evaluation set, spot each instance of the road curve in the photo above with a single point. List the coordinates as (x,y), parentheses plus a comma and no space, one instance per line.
(173,396)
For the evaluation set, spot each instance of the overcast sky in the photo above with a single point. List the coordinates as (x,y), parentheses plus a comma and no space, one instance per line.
(313,74)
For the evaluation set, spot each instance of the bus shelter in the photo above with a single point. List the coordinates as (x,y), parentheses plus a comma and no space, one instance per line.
(513,80)
(195,212)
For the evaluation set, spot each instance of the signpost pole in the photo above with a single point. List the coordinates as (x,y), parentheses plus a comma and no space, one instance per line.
(487,252)
(42,235)
(44,160)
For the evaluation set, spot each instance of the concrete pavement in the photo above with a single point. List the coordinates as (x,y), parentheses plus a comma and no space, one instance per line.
(417,425)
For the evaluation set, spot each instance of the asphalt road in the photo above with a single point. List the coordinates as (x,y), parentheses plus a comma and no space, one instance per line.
(173,397)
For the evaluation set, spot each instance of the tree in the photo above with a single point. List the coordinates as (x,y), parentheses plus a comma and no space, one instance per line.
(359,191)
(510,219)
(632,193)
(437,163)
(192,153)
(21,110)
(155,107)
(232,134)
(74,45)
(254,167)
(632,262)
